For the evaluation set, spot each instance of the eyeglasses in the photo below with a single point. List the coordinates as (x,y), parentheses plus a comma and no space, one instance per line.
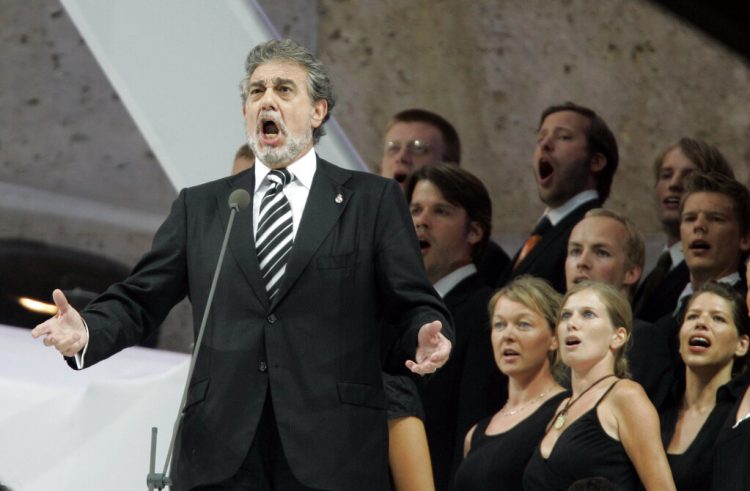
(414,147)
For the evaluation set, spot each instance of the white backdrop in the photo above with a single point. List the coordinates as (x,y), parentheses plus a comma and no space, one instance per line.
(176,65)
(62,429)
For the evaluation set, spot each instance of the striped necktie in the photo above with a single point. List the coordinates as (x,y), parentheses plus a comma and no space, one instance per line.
(274,237)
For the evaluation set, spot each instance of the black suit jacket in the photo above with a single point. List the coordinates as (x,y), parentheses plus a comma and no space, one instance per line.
(314,349)
(493,262)
(547,259)
(663,300)
(468,387)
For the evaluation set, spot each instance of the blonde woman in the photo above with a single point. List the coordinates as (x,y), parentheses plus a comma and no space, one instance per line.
(607,427)
(522,318)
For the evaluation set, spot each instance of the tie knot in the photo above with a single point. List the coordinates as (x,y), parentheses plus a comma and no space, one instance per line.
(280,177)
(665,260)
(542,227)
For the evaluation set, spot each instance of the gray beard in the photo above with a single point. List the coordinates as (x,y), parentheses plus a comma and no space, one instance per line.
(277,157)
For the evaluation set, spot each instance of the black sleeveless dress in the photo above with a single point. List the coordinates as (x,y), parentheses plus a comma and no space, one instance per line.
(583,450)
(692,469)
(731,463)
(497,461)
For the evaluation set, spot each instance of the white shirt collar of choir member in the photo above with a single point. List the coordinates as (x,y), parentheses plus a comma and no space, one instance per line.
(445,284)
(556,215)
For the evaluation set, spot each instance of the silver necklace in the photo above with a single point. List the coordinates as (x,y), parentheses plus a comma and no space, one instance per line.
(503,412)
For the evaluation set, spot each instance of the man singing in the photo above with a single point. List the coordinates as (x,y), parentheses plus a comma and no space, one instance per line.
(287,391)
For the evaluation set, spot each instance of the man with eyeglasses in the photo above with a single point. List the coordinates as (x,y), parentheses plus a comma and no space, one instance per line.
(415,138)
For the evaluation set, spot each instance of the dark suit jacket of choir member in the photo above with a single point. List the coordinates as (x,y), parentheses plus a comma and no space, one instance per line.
(492,263)
(664,298)
(314,349)
(469,387)
(547,259)
(654,355)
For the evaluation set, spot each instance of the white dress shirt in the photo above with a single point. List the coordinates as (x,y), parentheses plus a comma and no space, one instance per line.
(297,191)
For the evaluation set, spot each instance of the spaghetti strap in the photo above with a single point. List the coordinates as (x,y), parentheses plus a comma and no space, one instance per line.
(606,392)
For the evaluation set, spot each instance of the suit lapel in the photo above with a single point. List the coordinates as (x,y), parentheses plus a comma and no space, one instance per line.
(322,211)
(241,240)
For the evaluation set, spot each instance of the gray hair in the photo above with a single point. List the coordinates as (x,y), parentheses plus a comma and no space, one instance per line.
(319,85)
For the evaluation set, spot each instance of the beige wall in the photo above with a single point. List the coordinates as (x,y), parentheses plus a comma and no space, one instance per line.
(491,67)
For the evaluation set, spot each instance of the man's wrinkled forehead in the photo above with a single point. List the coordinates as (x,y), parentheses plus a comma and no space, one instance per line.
(275,73)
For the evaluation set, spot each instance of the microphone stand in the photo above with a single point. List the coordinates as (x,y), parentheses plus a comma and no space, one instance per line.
(238,200)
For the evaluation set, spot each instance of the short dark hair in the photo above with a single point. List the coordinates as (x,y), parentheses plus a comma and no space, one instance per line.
(599,139)
(738,306)
(452,150)
(705,156)
(713,182)
(460,188)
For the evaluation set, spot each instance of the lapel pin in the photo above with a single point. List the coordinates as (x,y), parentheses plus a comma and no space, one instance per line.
(339,198)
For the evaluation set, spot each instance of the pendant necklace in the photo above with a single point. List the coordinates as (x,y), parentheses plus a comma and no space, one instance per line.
(532,401)
(563,414)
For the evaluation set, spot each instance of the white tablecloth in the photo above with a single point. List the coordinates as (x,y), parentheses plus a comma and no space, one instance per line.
(62,429)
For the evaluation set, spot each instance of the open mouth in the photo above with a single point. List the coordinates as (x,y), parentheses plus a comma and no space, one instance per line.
(579,279)
(699,245)
(510,352)
(672,202)
(572,341)
(545,169)
(699,342)
(270,128)
(424,245)
(400,177)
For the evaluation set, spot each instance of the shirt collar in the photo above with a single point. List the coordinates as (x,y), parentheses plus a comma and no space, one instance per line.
(675,252)
(303,169)
(445,284)
(730,279)
(555,215)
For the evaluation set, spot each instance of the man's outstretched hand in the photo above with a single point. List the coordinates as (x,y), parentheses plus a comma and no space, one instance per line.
(65,331)
(433,349)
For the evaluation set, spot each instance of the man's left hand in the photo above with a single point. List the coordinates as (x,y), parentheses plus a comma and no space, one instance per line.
(433,349)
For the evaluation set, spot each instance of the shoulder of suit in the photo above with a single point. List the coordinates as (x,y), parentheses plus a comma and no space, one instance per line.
(340,173)
(472,288)
(220,183)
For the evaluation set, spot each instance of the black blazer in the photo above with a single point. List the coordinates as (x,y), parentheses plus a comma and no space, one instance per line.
(493,262)
(315,349)
(468,387)
(664,298)
(547,259)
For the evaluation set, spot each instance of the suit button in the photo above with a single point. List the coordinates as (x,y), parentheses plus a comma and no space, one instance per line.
(271,319)
(262,367)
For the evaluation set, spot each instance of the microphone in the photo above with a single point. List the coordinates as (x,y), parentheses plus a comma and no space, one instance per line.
(238,200)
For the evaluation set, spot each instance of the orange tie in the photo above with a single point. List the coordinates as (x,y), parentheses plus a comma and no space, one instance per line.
(541,227)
